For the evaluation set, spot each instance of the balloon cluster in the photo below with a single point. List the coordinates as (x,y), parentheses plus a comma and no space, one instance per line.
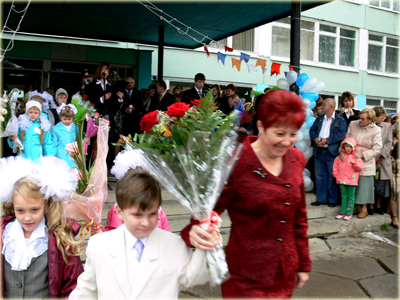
(309,88)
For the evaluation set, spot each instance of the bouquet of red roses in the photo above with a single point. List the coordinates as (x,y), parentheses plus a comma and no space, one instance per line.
(191,151)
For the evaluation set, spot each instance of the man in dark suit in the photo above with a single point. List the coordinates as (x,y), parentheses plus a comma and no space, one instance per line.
(197,91)
(164,99)
(131,108)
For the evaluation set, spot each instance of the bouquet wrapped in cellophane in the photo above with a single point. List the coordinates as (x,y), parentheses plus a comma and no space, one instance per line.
(8,118)
(191,152)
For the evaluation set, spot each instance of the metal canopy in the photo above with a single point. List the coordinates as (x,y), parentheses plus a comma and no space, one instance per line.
(130,21)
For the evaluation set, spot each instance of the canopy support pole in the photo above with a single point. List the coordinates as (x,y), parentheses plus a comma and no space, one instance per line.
(295,29)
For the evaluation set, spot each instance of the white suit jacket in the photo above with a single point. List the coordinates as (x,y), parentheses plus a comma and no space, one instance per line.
(167,265)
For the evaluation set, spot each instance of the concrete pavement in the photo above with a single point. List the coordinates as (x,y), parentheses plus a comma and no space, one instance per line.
(353,267)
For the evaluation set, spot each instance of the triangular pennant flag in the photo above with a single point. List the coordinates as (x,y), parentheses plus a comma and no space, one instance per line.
(251,67)
(275,68)
(286,74)
(245,57)
(221,57)
(208,53)
(261,62)
(236,62)
(291,68)
(228,49)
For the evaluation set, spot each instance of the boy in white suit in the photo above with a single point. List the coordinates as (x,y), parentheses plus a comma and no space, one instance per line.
(138,260)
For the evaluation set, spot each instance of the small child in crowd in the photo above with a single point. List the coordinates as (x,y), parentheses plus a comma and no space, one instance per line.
(40,257)
(65,132)
(61,96)
(347,174)
(138,260)
(34,132)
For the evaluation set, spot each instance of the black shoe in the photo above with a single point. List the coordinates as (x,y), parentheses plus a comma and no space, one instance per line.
(370,211)
(317,203)
(331,205)
(379,210)
(394,226)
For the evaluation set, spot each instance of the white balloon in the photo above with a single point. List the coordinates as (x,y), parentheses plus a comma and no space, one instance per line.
(306,134)
(282,83)
(301,146)
(307,181)
(309,187)
(309,85)
(308,153)
(308,113)
(307,102)
(307,173)
(308,142)
(303,127)
(299,136)
(291,77)
(319,87)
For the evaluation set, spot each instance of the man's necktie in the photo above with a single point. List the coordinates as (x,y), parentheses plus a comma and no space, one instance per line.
(139,249)
(129,94)
(200,95)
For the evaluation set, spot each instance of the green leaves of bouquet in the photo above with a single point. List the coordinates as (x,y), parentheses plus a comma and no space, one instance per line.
(164,130)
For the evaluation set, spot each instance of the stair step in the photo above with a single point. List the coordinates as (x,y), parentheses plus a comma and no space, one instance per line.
(322,211)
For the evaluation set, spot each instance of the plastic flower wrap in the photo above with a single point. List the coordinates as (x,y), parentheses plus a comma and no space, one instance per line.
(87,206)
(8,118)
(193,161)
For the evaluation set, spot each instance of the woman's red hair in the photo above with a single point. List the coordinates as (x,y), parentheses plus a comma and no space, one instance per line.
(281,107)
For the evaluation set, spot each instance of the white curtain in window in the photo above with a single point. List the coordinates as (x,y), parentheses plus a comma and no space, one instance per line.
(327,46)
(346,52)
(375,57)
(244,41)
(281,41)
(392,60)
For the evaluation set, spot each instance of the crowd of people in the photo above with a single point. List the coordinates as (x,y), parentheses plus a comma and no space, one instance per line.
(355,152)
(134,256)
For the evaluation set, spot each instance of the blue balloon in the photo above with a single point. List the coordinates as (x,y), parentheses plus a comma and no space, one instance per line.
(313,104)
(310,96)
(301,79)
(310,121)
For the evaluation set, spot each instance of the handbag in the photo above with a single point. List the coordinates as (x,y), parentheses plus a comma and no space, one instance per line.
(119,120)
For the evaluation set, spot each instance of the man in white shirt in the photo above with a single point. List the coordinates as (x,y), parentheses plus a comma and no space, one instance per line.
(326,134)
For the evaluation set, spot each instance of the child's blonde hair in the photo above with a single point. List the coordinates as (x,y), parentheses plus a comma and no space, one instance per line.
(37,98)
(41,135)
(67,112)
(56,220)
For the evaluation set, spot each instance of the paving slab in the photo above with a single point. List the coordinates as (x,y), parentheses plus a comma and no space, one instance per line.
(321,286)
(386,287)
(357,225)
(346,265)
(391,263)
(317,245)
(362,247)
(204,291)
(322,227)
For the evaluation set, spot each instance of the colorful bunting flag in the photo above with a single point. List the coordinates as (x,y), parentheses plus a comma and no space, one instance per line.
(291,68)
(245,57)
(275,68)
(236,62)
(221,57)
(208,53)
(251,67)
(261,62)
(228,49)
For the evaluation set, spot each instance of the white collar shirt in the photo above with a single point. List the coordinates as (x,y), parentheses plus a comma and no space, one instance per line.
(102,86)
(326,127)
(198,91)
(130,240)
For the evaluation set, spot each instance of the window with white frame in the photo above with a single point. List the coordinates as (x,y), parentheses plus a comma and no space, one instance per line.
(387,4)
(383,53)
(281,39)
(335,44)
(389,104)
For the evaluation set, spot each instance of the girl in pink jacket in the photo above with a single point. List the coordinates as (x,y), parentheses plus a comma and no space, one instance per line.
(347,174)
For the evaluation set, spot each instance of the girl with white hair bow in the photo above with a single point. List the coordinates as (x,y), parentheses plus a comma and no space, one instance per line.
(48,104)
(34,133)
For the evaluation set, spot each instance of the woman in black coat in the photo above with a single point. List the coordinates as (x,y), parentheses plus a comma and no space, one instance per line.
(346,108)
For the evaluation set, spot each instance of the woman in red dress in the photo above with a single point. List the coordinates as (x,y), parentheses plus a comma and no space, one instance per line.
(267,253)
